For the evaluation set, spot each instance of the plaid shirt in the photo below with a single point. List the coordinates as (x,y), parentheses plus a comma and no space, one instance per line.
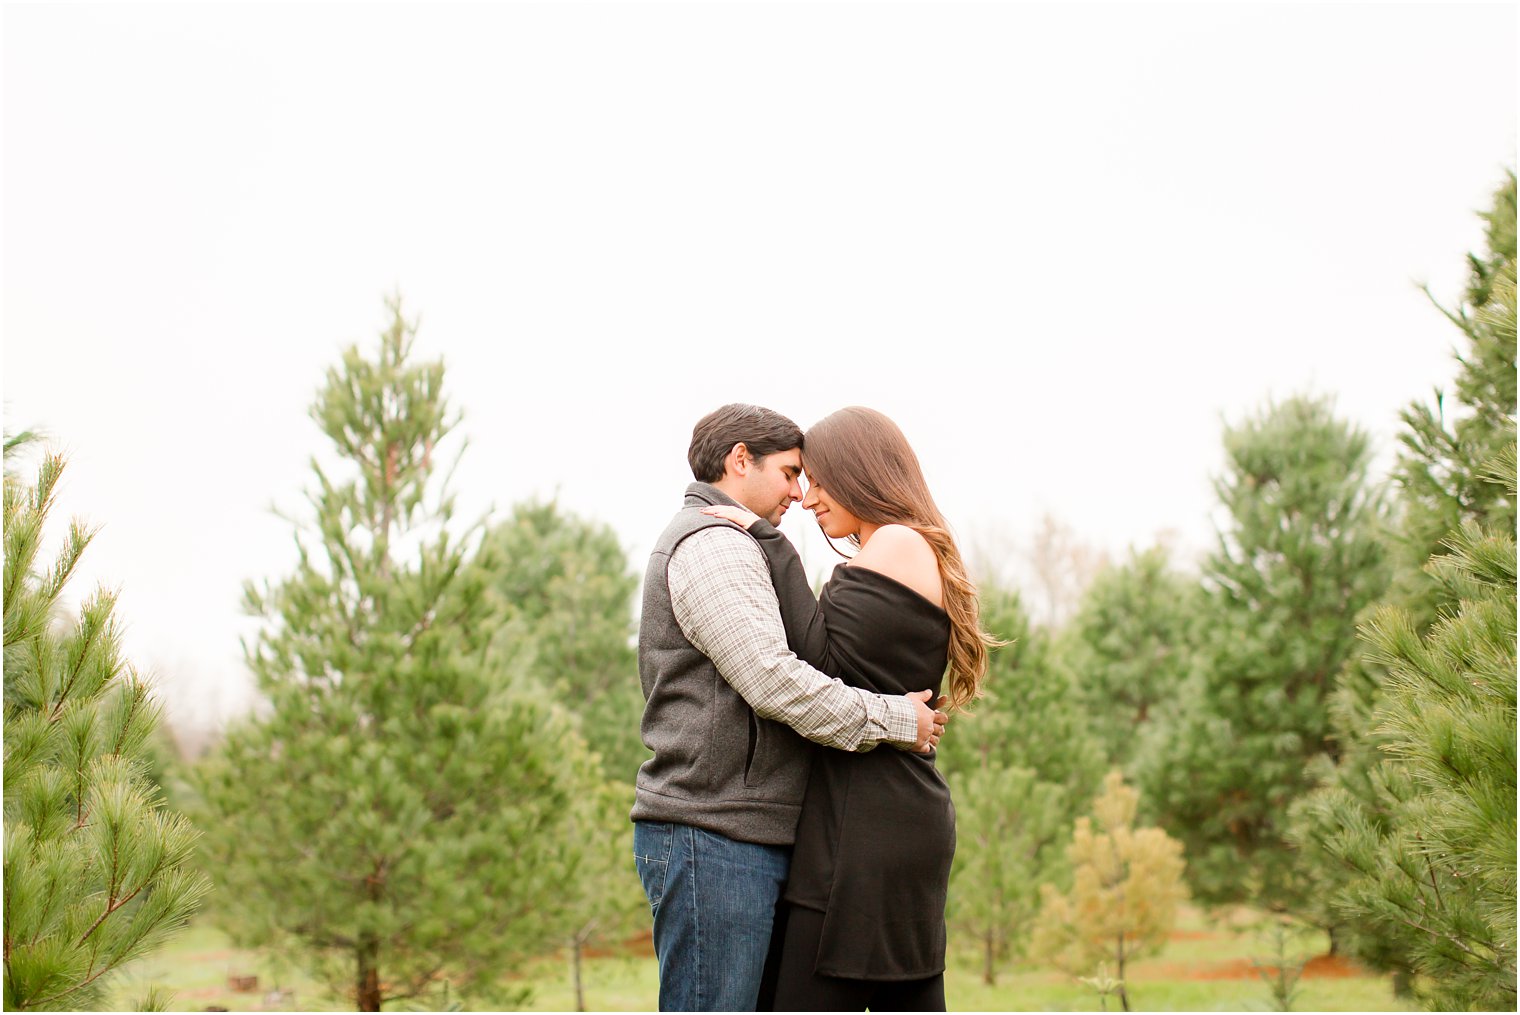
(726,606)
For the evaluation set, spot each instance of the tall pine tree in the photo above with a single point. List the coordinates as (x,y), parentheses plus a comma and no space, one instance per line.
(402,816)
(97,870)
(1449,445)
(1301,556)
(1449,479)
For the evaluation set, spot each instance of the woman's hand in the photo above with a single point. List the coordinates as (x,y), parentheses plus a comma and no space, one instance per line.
(741,517)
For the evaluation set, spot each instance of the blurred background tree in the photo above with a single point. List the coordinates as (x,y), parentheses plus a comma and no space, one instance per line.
(97,870)
(1131,647)
(402,812)
(1300,558)
(1031,716)
(566,593)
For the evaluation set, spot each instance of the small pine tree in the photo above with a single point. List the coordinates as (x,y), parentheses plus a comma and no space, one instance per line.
(1126,887)
(97,870)
(1009,827)
(401,815)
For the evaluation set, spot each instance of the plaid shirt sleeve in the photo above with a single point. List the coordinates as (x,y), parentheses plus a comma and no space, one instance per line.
(725,604)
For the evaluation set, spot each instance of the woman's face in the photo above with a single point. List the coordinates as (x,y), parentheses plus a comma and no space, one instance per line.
(834,519)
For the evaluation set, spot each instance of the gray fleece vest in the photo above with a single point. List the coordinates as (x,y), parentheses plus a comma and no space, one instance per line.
(716,764)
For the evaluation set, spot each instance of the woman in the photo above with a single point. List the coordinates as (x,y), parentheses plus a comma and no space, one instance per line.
(864,909)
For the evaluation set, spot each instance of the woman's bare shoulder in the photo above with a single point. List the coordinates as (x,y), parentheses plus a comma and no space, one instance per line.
(902,553)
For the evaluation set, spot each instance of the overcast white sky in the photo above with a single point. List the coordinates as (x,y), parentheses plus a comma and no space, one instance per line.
(1058,244)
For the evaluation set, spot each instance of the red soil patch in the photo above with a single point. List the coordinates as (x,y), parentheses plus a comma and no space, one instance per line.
(1319,967)
(1332,966)
(1191,935)
(641,945)
(1236,969)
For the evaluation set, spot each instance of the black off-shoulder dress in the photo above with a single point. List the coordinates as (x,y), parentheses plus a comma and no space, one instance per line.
(877,831)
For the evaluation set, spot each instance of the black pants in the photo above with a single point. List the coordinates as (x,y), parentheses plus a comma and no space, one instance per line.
(793,986)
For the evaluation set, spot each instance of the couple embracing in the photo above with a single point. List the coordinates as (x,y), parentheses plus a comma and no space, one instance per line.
(781,874)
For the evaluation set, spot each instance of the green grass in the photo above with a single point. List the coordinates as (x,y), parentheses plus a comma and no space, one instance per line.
(1205,967)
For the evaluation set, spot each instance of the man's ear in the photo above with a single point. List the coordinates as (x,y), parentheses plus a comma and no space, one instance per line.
(738,460)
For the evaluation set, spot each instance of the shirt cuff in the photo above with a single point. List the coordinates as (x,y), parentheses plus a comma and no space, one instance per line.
(895,720)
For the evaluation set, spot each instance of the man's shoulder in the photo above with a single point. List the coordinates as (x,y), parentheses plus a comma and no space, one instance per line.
(723,539)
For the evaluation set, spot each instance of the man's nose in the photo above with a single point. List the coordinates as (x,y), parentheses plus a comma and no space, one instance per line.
(796,491)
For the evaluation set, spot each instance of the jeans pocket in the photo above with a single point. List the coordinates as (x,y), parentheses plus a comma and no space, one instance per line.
(651,855)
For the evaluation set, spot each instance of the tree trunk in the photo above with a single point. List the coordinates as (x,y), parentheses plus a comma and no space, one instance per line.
(988,976)
(1123,993)
(577,943)
(575,951)
(368,986)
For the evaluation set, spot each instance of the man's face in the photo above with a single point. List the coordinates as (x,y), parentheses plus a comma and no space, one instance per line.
(772,485)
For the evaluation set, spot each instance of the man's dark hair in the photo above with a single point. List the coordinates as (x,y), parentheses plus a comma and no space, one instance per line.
(762,431)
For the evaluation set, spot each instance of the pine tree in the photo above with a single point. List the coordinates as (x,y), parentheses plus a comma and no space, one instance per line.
(97,870)
(1130,646)
(567,594)
(1127,886)
(1301,557)
(1441,470)
(1446,476)
(1009,828)
(1438,872)
(401,815)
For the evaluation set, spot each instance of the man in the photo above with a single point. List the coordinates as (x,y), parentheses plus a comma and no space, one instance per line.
(716,808)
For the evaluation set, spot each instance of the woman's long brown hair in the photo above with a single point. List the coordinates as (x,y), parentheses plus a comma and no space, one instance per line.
(866,464)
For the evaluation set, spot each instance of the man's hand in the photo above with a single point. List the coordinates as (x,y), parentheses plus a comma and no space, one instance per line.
(931,723)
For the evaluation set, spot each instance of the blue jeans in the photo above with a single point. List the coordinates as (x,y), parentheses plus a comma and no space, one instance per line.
(713,900)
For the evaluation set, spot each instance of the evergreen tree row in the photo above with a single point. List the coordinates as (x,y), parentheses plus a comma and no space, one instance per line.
(1323,715)
(1320,721)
